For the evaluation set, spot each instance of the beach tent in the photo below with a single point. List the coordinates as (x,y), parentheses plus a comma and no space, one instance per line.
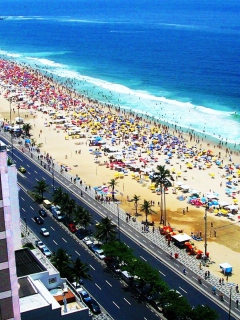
(225,267)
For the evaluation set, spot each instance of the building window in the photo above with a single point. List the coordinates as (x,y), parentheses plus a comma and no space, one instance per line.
(52,280)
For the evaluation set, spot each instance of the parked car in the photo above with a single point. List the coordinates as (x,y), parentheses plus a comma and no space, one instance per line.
(82,233)
(94,247)
(88,240)
(39,244)
(85,296)
(46,251)
(72,228)
(38,220)
(100,254)
(22,169)
(94,306)
(44,232)
(42,213)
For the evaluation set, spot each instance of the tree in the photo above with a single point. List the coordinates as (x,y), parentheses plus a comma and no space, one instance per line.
(203,312)
(112,184)
(136,199)
(106,230)
(41,188)
(80,270)
(62,262)
(68,206)
(82,216)
(27,128)
(58,195)
(146,208)
(161,179)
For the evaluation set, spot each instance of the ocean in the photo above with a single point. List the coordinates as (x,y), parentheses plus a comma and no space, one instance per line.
(177,61)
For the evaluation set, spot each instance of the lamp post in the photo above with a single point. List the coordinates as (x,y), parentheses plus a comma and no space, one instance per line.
(118,220)
(205,235)
(53,181)
(11,99)
(25,220)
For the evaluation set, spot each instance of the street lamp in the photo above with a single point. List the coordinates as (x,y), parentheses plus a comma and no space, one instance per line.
(53,181)
(11,99)
(118,222)
(205,235)
(25,220)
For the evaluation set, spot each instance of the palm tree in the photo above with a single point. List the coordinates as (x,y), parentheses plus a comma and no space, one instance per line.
(80,270)
(41,188)
(161,178)
(112,184)
(136,199)
(26,128)
(82,216)
(58,195)
(86,218)
(62,262)
(106,230)
(146,207)
(68,206)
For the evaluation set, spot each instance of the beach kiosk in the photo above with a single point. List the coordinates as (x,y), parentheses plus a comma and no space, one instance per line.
(180,239)
(226,268)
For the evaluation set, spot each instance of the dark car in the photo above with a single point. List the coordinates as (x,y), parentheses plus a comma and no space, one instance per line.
(94,306)
(42,213)
(82,233)
(38,220)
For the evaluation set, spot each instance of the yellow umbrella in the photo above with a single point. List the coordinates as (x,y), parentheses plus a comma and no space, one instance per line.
(212,174)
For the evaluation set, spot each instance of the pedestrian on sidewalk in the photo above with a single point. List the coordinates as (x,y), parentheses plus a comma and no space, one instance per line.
(220,281)
(237,303)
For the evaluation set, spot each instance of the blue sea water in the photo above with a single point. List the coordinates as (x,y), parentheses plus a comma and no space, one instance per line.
(176,60)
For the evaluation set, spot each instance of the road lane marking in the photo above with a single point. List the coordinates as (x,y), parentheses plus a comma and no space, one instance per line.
(92,267)
(23,210)
(127,301)
(136,235)
(22,199)
(36,172)
(36,179)
(31,208)
(98,286)
(143,258)
(116,305)
(77,252)
(52,228)
(108,283)
(64,240)
(143,240)
(162,273)
(151,246)
(55,242)
(183,289)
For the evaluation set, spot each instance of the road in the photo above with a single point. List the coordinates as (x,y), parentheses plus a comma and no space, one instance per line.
(121,301)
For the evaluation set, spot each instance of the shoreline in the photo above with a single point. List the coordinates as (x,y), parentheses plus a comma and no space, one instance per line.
(95,174)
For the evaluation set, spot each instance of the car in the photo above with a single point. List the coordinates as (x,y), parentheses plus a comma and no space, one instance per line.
(38,220)
(42,213)
(46,251)
(82,233)
(94,306)
(100,254)
(85,296)
(44,232)
(72,228)
(94,247)
(39,244)
(22,169)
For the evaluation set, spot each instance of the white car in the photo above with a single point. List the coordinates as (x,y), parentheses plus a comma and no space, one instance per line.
(88,240)
(100,254)
(39,244)
(44,232)
(46,251)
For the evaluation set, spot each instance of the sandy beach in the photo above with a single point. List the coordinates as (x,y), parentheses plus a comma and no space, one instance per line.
(208,170)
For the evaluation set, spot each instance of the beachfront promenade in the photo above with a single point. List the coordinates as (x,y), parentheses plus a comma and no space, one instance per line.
(153,242)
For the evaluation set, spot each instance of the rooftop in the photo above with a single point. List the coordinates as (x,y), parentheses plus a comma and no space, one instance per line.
(26,263)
